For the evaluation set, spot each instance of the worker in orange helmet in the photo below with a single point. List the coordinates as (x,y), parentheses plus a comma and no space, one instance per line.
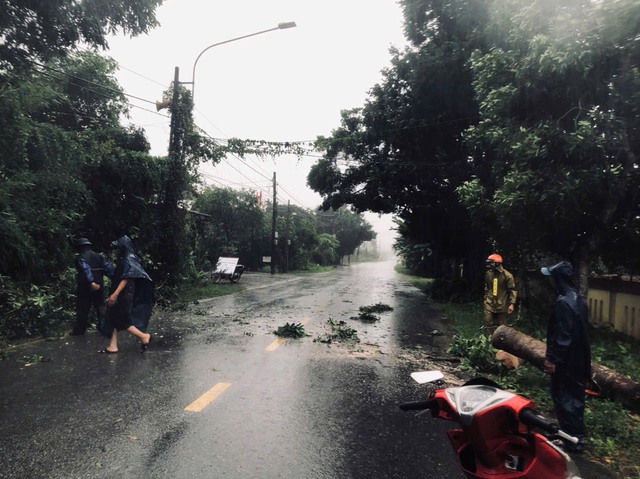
(500,293)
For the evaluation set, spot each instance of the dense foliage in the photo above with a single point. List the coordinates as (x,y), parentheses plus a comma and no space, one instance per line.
(44,30)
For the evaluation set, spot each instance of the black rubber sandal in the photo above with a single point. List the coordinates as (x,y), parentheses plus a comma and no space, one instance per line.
(106,351)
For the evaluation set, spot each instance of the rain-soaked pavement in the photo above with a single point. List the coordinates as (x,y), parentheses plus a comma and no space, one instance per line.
(218,396)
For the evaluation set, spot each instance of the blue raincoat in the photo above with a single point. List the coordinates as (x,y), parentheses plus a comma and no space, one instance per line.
(135,303)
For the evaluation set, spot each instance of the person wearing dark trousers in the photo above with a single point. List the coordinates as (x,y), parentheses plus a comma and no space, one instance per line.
(130,302)
(91,268)
(568,354)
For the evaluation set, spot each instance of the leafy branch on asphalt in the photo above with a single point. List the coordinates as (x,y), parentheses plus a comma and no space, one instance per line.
(292,330)
(367,313)
(340,332)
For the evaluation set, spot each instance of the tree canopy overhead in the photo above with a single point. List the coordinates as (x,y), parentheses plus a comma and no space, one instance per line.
(506,124)
(32,30)
(403,152)
(555,153)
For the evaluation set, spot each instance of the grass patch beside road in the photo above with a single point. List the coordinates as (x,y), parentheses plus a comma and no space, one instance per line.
(423,284)
(191,293)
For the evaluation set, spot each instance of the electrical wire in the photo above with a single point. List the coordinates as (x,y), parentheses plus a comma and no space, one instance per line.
(90,82)
(141,75)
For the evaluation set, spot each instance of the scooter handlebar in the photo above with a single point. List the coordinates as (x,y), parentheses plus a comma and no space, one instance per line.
(416,405)
(530,418)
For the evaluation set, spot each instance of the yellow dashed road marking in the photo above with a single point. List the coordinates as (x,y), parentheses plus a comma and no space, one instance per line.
(274,345)
(208,397)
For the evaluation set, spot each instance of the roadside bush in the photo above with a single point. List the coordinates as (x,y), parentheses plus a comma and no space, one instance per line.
(477,353)
(28,310)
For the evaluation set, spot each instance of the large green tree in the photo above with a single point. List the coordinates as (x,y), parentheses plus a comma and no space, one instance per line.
(38,31)
(51,130)
(229,223)
(555,153)
(349,228)
(508,125)
(403,152)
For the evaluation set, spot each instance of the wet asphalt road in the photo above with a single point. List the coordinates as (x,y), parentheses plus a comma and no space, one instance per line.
(217,396)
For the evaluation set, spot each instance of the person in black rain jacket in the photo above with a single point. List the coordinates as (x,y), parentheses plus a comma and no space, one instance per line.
(91,268)
(568,354)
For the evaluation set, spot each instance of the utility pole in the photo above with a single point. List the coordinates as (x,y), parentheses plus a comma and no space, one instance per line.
(173,229)
(173,125)
(274,234)
(286,239)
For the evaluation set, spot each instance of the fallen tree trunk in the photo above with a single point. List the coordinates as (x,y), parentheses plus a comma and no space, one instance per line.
(612,385)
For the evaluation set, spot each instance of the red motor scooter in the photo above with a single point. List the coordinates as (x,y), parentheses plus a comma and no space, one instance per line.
(496,438)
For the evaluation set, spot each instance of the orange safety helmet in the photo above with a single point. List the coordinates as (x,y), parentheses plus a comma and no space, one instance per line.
(496,258)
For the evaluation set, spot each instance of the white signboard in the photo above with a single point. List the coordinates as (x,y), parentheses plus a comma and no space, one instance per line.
(226,265)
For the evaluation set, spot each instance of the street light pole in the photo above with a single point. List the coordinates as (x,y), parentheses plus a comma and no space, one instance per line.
(274,233)
(281,26)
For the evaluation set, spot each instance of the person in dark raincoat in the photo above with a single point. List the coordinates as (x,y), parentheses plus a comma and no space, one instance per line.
(91,268)
(568,354)
(131,300)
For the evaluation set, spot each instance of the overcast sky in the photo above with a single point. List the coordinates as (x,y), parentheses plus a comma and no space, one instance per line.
(284,85)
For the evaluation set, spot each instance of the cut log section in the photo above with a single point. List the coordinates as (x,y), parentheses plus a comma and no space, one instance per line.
(612,384)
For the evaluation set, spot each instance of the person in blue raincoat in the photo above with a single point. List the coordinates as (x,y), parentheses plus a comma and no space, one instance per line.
(130,301)
(568,354)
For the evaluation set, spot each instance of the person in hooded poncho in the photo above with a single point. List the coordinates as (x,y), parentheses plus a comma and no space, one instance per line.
(130,301)
(568,354)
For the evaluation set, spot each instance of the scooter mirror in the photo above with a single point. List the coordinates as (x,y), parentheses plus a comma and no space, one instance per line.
(422,377)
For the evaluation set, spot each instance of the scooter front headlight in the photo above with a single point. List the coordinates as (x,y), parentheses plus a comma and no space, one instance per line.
(469,400)
(472,397)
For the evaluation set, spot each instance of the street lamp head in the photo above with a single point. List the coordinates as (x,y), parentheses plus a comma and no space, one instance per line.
(284,25)
(281,26)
